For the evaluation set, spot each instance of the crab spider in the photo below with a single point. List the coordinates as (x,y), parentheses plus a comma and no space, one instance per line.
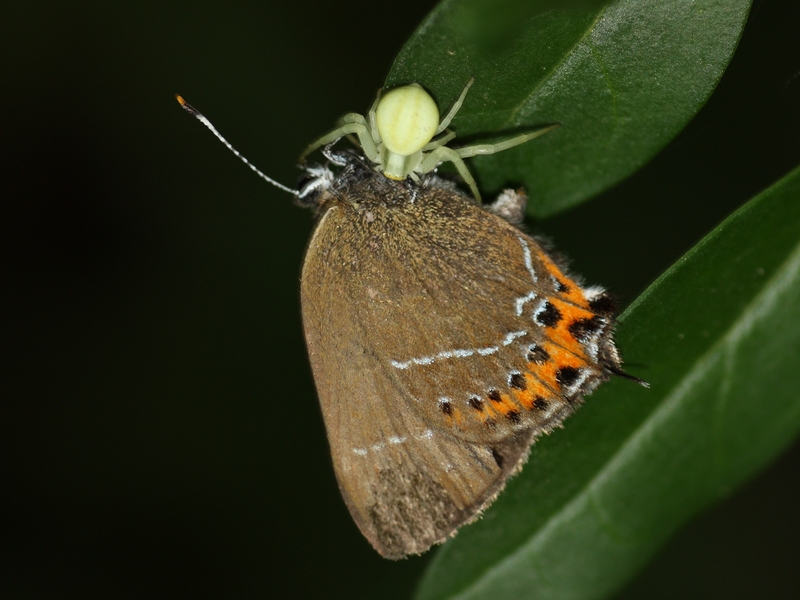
(399,135)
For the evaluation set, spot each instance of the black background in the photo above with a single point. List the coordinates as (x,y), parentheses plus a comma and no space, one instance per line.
(159,430)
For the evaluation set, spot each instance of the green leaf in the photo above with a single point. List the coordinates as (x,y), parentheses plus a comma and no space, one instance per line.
(718,338)
(622,79)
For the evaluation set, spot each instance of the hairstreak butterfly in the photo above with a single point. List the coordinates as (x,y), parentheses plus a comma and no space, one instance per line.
(443,339)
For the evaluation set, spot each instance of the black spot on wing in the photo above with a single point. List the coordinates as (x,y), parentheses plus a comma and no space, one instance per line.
(498,458)
(567,376)
(583,329)
(603,305)
(517,381)
(540,403)
(476,403)
(537,355)
(549,315)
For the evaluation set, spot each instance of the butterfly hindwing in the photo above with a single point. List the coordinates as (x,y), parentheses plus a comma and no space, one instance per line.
(428,405)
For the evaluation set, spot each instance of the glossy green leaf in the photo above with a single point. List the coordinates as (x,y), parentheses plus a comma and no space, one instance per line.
(622,79)
(718,338)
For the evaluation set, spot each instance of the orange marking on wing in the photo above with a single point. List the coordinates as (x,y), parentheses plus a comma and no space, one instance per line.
(560,358)
(484,414)
(523,397)
(505,406)
(458,418)
(560,334)
(486,417)
(562,337)
(570,312)
(534,388)
(453,416)
(544,381)
(574,293)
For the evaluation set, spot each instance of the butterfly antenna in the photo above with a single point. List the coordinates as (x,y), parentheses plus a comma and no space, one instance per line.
(620,373)
(199,116)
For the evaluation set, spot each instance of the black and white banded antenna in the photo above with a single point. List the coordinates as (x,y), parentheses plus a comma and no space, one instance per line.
(199,116)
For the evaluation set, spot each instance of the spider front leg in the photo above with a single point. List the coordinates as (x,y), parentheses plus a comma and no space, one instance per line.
(455,108)
(373,122)
(357,118)
(352,123)
(371,125)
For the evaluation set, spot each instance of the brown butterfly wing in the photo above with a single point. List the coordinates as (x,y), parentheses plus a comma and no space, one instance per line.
(433,372)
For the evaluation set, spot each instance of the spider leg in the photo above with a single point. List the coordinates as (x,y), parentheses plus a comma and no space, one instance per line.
(433,144)
(356,126)
(445,154)
(373,123)
(452,113)
(468,151)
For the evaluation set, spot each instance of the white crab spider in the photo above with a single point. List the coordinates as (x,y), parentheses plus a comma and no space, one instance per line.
(399,135)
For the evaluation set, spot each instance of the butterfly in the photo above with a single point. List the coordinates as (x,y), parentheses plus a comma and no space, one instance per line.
(443,339)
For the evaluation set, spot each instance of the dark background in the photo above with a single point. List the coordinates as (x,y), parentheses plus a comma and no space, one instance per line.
(159,430)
